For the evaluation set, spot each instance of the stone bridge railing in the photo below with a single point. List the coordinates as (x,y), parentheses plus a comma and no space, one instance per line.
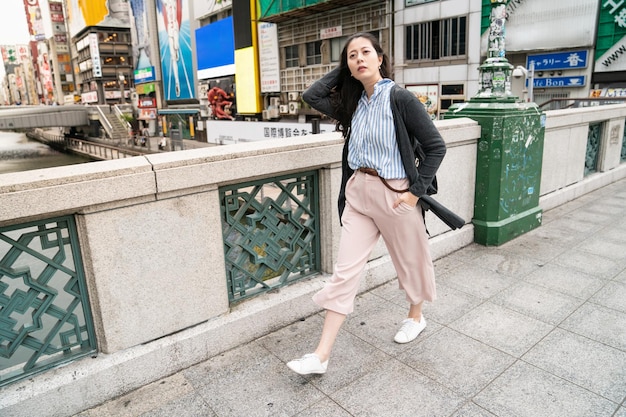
(150,247)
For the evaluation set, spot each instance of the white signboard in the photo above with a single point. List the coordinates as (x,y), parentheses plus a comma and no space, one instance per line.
(269,61)
(226,132)
(544,25)
(334,32)
(95,54)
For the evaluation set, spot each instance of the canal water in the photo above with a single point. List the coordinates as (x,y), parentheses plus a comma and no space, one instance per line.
(19,153)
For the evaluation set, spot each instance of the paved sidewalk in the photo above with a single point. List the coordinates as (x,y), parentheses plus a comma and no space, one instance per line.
(535,327)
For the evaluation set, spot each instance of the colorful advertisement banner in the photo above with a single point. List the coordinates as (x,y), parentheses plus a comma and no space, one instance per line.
(34,20)
(611,41)
(175,48)
(140,32)
(84,13)
(215,49)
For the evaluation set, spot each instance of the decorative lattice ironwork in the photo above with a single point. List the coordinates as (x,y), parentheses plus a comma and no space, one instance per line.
(44,310)
(593,148)
(270,232)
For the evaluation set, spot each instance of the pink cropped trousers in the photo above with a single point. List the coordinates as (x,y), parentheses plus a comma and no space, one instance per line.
(369,214)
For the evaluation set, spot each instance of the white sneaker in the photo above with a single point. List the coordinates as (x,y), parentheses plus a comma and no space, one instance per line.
(410,330)
(308,364)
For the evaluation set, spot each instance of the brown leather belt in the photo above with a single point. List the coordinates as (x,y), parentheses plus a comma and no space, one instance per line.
(373,172)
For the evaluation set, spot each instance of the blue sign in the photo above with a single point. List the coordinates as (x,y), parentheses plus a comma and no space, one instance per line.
(558,60)
(556,82)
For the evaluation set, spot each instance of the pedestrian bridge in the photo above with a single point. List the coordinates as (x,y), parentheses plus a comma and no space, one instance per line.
(115,274)
(30,117)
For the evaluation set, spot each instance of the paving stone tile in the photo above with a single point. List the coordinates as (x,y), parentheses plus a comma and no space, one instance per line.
(537,302)
(600,245)
(590,216)
(501,328)
(566,230)
(191,405)
(507,263)
(566,280)
(621,412)
(589,263)
(390,291)
(446,264)
(456,361)
(472,251)
(613,234)
(449,305)
(148,398)
(395,390)
(599,323)
(539,249)
(472,410)
(613,295)
(326,407)
(250,381)
(526,391)
(351,358)
(621,277)
(378,325)
(479,282)
(592,365)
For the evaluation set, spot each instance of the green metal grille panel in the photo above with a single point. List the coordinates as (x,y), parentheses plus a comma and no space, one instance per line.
(45,318)
(593,148)
(270,232)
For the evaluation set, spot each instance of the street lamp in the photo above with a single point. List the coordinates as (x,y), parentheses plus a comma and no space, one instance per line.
(121,78)
(529,76)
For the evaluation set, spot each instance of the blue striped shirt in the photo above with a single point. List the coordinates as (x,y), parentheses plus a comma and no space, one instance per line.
(373,134)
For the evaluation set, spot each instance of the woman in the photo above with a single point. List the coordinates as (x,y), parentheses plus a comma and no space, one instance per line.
(380,187)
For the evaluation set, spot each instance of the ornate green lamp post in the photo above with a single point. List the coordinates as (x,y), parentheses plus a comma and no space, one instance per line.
(510,149)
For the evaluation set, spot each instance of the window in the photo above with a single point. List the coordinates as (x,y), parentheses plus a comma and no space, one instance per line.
(437,39)
(336,46)
(291,56)
(451,94)
(314,53)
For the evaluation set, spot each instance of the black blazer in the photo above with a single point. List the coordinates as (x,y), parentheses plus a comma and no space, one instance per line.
(417,136)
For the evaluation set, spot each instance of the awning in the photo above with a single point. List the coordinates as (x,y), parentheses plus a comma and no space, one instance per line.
(179,111)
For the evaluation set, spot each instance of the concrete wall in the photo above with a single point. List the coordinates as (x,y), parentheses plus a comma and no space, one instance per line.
(565,144)
(150,233)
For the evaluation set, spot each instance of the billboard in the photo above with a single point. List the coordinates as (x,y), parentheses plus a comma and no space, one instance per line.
(611,38)
(84,13)
(175,47)
(203,8)
(269,58)
(143,58)
(215,49)
(34,20)
(535,25)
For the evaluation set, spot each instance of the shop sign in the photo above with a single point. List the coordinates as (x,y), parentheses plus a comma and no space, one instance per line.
(144,75)
(334,32)
(558,60)
(145,88)
(556,82)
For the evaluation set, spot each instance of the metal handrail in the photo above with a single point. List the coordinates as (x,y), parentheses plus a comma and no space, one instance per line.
(576,102)
(107,125)
(120,115)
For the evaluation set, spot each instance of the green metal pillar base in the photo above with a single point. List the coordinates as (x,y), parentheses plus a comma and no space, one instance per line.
(494,233)
(508,167)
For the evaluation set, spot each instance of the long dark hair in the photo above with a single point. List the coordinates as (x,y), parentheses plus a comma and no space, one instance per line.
(347,93)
